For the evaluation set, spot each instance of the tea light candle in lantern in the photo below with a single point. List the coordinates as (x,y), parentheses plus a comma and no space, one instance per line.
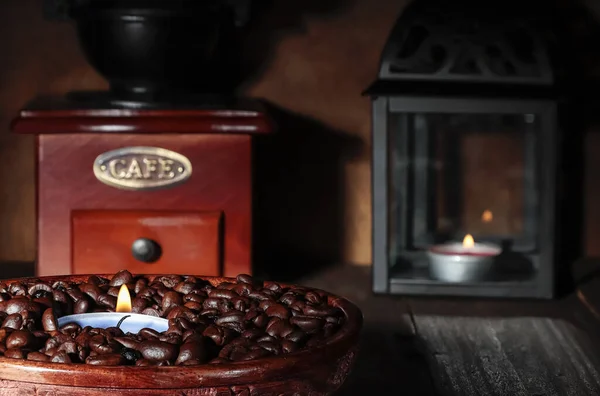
(462,262)
(123,318)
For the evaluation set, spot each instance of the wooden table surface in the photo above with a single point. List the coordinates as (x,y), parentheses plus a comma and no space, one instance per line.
(474,347)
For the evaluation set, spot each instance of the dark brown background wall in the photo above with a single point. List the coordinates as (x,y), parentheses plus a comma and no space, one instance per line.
(323,54)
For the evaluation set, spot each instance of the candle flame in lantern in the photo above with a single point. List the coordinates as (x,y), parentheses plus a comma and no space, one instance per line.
(468,242)
(123,300)
(487,216)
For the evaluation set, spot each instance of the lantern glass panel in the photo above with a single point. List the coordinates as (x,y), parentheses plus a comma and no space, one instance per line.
(453,174)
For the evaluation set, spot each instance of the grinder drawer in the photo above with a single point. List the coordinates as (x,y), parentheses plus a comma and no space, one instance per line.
(146,242)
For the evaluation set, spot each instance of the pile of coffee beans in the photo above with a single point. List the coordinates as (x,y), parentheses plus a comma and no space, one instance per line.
(234,321)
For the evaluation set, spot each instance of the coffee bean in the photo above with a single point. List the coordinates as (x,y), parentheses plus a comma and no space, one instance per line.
(38,357)
(131,355)
(69,347)
(171,299)
(252,333)
(35,290)
(261,321)
(81,306)
(107,301)
(101,345)
(21,339)
(193,297)
(143,363)
(13,321)
(278,311)
(121,278)
(61,357)
(321,311)
(111,359)
(218,293)
(170,281)
(297,336)
(219,335)
(140,285)
(138,304)
(127,342)
(266,337)
(309,324)
(76,294)
(19,304)
(71,328)
(270,346)
(96,280)
(194,306)
(226,285)
(14,353)
(191,351)
(158,351)
(258,296)
(184,287)
(273,287)
(171,338)
(17,289)
(91,290)
(49,320)
(148,334)
(151,312)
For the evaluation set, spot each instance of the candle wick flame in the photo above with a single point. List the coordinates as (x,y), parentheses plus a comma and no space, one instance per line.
(121,321)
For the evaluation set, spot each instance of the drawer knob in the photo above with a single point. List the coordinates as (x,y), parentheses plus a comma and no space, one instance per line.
(146,250)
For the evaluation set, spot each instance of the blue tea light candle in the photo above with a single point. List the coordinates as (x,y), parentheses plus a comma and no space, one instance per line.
(127,321)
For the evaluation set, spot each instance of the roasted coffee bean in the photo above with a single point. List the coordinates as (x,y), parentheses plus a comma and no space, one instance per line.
(278,311)
(312,298)
(19,304)
(258,296)
(321,311)
(191,351)
(71,328)
(143,363)
(171,338)
(226,285)
(261,321)
(266,337)
(121,278)
(69,347)
(111,359)
(239,304)
(289,346)
(219,293)
(297,336)
(138,304)
(49,320)
(131,355)
(270,346)
(101,345)
(308,324)
(252,333)
(148,334)
(140,285)
(61,357)
(21,339)
(91,290)
(158,351)
(242,289)
(184,287)
(55,341)
(170,281)
(171,299)
(81,306)
(17,289)
(113,291)
(14,353)
(39,290)
(107,301)
(193,297)
(219,335)
(96,280)
(231,317)
(13,321)
(146,293)
(273,287)
(114,332)
(209,313)
(151,312)
(4,297)
(194,306)
(76,294)
(38,357)
(127,342)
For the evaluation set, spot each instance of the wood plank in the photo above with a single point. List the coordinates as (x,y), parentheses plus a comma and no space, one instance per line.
(517,356)
(390,360)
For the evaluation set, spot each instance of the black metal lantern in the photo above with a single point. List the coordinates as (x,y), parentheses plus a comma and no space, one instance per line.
(465,143)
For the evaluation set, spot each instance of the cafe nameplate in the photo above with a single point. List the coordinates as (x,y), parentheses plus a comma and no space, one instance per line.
(142,168)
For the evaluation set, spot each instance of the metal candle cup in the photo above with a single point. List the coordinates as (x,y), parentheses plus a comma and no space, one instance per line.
(125,320)
(462,262)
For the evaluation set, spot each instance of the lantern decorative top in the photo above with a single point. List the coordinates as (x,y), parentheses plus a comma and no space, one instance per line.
(469,42)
